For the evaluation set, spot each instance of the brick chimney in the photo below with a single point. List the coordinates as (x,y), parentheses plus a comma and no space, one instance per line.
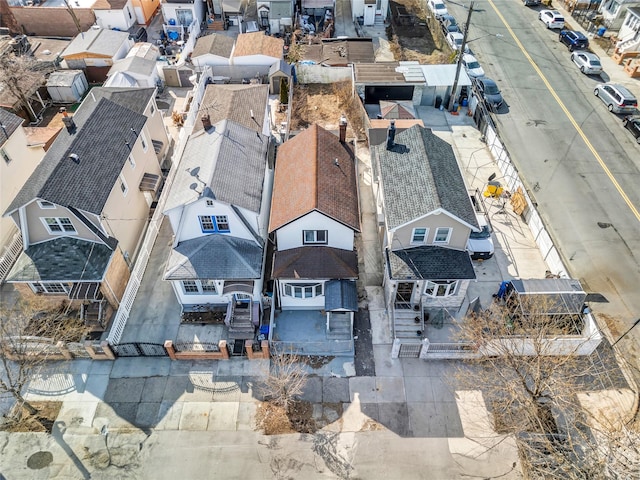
(391,135)
(206,121)
(67,120)
(343,129)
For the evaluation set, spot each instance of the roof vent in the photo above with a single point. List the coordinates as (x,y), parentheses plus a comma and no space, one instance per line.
(206,121)
(391,135)
(75,158)
(67,120)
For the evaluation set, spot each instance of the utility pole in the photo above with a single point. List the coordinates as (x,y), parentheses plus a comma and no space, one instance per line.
(452,100)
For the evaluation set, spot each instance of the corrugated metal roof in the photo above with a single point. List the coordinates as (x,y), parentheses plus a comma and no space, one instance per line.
(444,75)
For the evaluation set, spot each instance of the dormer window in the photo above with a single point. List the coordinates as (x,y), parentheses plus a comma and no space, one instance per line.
(214,223)
(46,205)
(57,225)
(314,237)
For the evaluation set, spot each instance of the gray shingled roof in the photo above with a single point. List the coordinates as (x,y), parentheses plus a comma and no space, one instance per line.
(100,145)
(430,263)
(96,40)
(234,102)
(215,257)
(214,44)
(315,263)
(341,295)
(64,259)
(10,122)
(420,175)
(230,159)
(133,98)
(138,65)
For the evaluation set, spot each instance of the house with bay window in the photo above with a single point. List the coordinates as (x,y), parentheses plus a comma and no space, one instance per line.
(83,211)
(218,208)
(425,217)
(313,223)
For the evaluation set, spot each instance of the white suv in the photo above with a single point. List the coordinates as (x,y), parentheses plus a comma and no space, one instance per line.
(617,98)
(480,244)
(438,8)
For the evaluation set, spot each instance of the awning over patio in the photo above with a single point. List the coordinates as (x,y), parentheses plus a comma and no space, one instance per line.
(64,259)
(430,263)
(341,295)
(557,296)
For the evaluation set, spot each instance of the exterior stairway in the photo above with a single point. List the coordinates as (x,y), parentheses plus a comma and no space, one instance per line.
(405,325)
(339,327)
(93,315)
(241,327)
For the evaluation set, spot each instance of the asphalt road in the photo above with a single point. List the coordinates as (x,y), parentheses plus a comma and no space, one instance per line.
(580,165)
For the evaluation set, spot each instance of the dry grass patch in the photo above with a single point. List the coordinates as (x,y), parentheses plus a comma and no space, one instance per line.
(40,422)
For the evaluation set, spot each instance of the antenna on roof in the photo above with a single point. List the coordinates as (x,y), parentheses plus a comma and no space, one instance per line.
(336,162)
(74,158)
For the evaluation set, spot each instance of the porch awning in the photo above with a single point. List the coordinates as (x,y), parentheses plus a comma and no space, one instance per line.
(430,263)
(314,263)
(557,296)
(340,295)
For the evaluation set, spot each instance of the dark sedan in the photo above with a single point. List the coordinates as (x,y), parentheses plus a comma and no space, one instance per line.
(490,92)
(632,123)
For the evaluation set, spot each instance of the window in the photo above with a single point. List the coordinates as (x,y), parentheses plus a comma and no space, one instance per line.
(199,287)
(5,156)
(143,141)
(45,205)
(419,235)
(209,202)
(123,186)
(314,236)
(59,225)
(441,288)
(132,162)
(303,290)
(214,223)
(51,288)
(442,235)
(153,109)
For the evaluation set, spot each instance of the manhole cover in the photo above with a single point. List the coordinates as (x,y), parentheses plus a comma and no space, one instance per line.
(39,460)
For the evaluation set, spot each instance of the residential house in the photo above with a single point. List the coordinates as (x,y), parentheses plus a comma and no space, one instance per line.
(629,34)
(95,51)
(614,13)
(425,218)
(257,49)
(371,11)
(137,69)
(314,220)
(275,14)
(246,105)
(180,15)
(115,14)
(218,208)
(51,19)
(83,211)
(17,163)
(212,50)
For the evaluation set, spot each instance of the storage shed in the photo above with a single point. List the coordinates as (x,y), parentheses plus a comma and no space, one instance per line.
(67,86)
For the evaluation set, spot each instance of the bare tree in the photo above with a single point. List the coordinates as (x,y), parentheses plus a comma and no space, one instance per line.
(29,332)
(21,75)
(532,391)
(285,380)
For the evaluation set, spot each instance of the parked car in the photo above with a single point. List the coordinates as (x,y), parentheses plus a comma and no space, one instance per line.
(573,40)
(449,24)
(472,66)
(632,123)
(490,92)
(438,8)
(138,34)
(480,244)
(551,18)
(617,98)
(454,39)
(531,3)
(587,62)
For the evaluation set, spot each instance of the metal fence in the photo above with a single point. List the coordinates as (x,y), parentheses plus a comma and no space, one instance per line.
(130,293)
(139,349)
(333,347)
(196,347)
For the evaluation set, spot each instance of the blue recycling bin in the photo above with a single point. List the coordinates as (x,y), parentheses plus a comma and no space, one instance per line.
(601,31)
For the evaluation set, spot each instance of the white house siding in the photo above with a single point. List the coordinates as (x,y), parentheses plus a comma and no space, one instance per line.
(169,11)
(120,19)
(213,299)
(292,303)
(189,226)
(255,60)
(357,8)
(338,235)
(210,60)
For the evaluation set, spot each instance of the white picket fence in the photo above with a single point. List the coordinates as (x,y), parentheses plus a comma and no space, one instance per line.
(10,253)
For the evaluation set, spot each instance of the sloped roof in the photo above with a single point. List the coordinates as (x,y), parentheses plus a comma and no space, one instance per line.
(215,257)
(397,109)
(97,41)
(139,65)
(132,98)
(63,259)
(257,43)
(11,123)
(109,4)
(63,78)
(341,295)
(214,44)
(430,263)
(144,50)
(307,178)
(315,263)
(103,127)
(420,175)
(40,135)
(234,102)
(229,159)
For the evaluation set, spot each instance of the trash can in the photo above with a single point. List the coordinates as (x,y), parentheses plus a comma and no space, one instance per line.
(438,101)
(601,31)
(465,102)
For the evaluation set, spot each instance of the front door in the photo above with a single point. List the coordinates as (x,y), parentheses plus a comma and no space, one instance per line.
(404,293)
(369,15)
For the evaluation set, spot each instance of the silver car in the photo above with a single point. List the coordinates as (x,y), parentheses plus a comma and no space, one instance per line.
(617,98)
(587,62)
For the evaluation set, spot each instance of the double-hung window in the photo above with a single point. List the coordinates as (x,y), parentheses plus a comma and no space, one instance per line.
(419,236)
(57,225)
(310,237)
(443,234)
(199,287)
(214,223)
